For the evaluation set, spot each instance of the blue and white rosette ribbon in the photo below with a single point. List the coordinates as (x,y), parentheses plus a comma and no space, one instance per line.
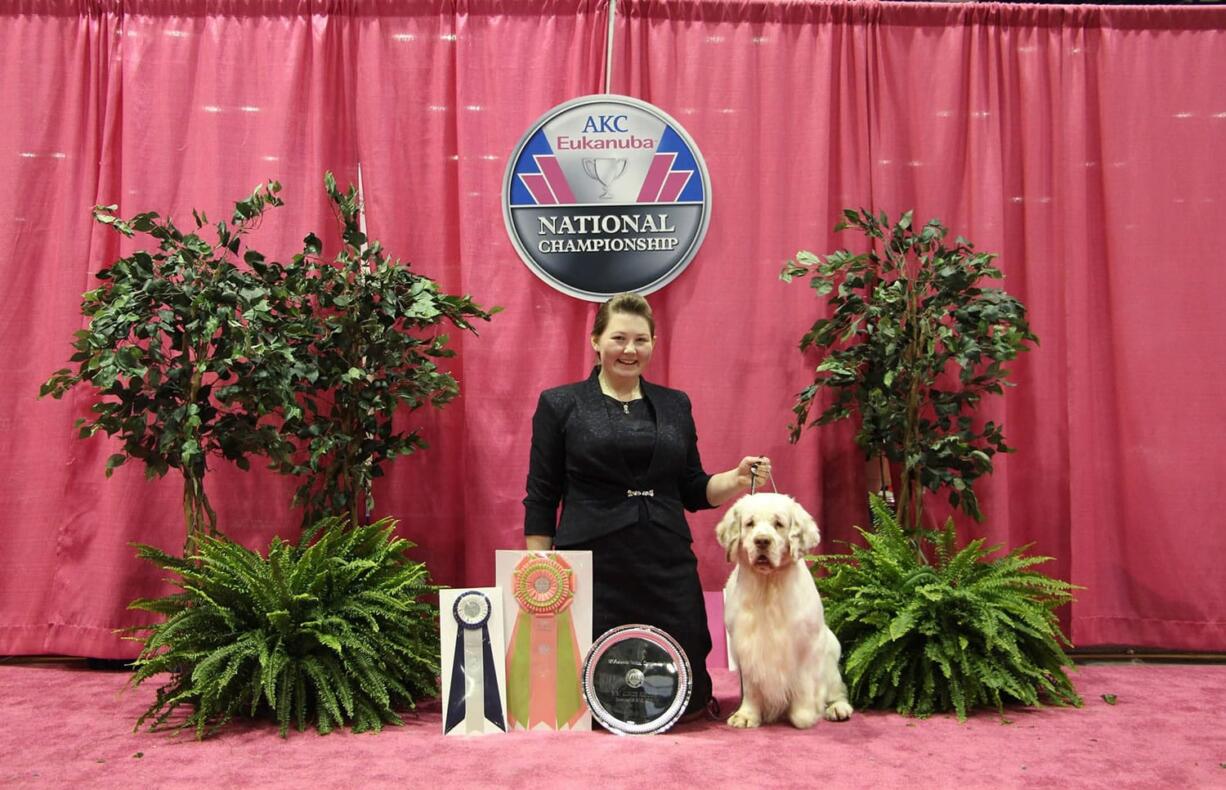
(473,697)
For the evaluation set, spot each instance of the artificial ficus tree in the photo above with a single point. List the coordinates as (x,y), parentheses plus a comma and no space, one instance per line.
(911,342)
(184,352)
(200,349)
(369,349)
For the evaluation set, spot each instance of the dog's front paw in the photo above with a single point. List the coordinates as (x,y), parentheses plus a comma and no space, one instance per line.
(803,718)
(744,718)
(839,710)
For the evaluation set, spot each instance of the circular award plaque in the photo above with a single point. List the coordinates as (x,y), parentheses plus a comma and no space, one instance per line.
(636,680)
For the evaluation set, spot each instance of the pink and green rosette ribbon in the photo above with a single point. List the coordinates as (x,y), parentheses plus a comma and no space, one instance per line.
(543,662)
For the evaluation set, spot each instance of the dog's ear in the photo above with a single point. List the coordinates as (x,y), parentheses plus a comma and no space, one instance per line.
(728,530)
(803,534)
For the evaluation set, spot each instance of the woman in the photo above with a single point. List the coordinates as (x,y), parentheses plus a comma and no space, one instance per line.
(621,456)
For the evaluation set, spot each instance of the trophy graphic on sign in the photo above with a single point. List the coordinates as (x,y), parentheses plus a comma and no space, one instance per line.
(606,170)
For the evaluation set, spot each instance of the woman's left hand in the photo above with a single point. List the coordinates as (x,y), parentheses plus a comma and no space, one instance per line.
(753,471)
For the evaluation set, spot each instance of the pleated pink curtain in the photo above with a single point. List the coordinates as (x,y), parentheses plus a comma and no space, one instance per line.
(1083,144)
(172,105)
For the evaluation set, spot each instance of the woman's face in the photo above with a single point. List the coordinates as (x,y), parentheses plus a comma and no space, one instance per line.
(625,346)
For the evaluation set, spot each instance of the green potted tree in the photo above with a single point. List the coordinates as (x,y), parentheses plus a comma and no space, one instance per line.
(183,355)
(367,351)
(910,344)
(191,352)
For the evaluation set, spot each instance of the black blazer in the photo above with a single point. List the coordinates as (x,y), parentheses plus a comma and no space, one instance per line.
(576,461)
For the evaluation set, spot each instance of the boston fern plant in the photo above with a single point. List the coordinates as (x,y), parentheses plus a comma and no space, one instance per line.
(326,633)
(960,632)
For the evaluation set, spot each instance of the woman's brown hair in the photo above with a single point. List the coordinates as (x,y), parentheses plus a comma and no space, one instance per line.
(628,303)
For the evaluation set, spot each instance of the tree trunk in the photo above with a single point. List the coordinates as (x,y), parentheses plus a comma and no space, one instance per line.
(198,515)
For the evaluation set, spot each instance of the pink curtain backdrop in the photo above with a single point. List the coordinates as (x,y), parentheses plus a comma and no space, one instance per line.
(1085,145)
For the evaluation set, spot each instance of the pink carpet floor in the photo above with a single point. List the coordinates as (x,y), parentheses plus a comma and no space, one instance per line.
(64,726)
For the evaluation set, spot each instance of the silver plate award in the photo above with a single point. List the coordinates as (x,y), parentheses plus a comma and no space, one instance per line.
(636,680)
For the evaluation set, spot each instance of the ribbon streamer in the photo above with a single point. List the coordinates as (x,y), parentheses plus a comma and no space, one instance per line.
(473,698)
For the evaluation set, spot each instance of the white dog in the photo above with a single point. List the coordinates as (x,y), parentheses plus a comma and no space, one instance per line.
(789,659)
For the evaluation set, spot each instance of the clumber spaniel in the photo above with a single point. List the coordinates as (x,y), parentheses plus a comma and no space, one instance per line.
(789,659)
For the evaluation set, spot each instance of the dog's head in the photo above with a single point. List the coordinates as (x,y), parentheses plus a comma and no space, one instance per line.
(767,531)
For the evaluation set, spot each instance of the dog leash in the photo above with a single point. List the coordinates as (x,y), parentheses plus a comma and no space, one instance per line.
(753,479)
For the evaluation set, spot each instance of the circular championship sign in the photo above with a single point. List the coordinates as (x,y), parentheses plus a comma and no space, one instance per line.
(606,194)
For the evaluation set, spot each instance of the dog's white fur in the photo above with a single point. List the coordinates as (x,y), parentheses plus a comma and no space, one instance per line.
(788,657)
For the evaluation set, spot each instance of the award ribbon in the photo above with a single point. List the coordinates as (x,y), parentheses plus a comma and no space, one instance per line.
(543,658)
(474,684)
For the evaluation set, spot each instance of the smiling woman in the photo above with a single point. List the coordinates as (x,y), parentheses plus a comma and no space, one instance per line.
(621,456)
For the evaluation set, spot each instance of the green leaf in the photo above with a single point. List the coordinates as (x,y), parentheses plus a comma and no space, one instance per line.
(115,461)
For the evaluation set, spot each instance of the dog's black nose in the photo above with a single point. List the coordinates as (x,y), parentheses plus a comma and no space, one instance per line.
(762,543)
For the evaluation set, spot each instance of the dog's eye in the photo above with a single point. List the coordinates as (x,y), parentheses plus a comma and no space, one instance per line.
(778,524)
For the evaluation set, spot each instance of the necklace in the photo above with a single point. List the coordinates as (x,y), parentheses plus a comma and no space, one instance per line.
(607,389)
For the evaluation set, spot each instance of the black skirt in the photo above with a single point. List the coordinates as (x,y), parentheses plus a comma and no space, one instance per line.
(645,574)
